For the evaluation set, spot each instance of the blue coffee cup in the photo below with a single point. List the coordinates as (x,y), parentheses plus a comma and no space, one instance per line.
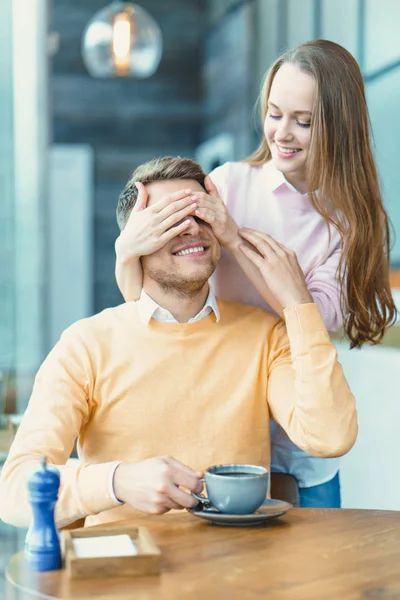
(235,488)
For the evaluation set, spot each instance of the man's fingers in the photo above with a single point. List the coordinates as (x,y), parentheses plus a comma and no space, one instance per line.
(210,187)
(171,505)
(141,201)
(190,481)
(166,201)
(175,463)
(181,468)
(183,499)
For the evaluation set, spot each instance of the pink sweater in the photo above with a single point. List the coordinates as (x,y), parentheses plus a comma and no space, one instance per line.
(261,198)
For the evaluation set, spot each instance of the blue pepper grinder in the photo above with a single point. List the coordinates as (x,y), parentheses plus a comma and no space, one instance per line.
(42,545)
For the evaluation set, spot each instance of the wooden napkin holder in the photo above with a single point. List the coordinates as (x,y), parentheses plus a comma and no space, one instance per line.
(146,561)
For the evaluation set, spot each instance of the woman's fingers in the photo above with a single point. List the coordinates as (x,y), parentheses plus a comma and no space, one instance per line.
(202,197)
(173,232)
(210,187)
(175,207)
(176,217)
(206,215)
(255,258)
(258,241)
(210,203)
(272,243)
(170,198)
(213,208)
(174,202)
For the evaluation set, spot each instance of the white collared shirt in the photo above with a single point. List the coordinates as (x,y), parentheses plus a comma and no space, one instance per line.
(149,309)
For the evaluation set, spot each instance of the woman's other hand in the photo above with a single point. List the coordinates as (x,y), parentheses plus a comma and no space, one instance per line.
(213,211)
(149,228)
(278,266)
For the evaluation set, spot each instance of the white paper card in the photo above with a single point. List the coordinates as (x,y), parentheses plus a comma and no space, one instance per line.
(105,545)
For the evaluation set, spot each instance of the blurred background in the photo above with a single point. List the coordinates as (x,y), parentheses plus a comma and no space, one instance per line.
(70,139)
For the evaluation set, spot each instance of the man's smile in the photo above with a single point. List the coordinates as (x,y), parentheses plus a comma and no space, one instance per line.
(192,250)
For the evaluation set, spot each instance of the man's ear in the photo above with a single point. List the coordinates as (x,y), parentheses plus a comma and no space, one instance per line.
(141,202)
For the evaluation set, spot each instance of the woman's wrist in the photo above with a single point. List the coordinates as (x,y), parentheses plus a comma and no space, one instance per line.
(303,297)
(234,242)
(123,255)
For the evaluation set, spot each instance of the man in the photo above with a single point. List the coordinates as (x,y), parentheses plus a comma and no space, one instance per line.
(177,378)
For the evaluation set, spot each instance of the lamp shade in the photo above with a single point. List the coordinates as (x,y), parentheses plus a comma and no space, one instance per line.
(122,40)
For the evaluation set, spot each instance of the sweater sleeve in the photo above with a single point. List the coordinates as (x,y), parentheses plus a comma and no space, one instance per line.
(323,285)
(308,394)
(58,410)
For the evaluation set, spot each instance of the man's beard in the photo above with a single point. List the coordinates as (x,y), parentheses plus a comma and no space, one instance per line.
(177,285)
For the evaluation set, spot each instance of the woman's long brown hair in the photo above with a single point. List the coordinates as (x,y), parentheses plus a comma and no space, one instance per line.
(342,168)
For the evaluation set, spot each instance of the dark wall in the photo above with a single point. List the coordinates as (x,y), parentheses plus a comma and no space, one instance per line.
(126,121)
(229,56)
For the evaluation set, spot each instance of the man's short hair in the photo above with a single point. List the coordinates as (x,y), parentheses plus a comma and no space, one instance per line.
(158,169)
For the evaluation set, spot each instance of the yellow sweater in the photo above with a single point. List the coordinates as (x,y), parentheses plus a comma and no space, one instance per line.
(201,392)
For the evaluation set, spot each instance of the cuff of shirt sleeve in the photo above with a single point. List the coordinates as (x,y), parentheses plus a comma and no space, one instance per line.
(111,483)
(94,489)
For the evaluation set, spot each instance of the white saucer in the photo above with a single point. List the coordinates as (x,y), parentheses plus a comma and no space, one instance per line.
(271,509)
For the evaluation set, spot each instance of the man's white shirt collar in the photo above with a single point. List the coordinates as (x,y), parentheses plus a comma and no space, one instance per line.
(149,309)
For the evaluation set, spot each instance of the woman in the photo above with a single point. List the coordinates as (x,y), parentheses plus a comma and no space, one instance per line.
(311,186)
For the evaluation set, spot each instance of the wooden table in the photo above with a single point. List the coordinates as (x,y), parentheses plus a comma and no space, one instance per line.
(309,554)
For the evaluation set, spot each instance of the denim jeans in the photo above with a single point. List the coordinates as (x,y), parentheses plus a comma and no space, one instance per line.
(326,495)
